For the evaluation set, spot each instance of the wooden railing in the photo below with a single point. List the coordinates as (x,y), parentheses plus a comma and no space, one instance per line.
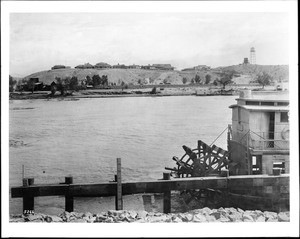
(262,141)
(70,190)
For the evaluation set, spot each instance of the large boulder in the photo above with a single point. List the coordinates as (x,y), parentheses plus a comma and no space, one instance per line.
(283,217)
(141,214)
(199,218)
(270,216)
(53,219)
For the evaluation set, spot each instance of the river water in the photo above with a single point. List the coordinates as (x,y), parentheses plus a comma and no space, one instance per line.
(57,138)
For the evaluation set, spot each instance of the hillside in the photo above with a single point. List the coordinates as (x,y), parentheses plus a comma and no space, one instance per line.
(117,75)
(278,72)
(247,73)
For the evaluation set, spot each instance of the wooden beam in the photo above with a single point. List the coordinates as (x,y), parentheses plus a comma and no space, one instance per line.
(119,199)
(109,189)
(251,181)
(270,152)
(159,186)
(39,190)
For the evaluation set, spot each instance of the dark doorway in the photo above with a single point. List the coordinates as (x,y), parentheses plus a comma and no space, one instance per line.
(271,129)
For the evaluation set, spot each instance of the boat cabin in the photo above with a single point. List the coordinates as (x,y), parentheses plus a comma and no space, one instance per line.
(258,139)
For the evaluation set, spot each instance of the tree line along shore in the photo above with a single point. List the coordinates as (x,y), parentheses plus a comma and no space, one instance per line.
(67,80)
(136,91)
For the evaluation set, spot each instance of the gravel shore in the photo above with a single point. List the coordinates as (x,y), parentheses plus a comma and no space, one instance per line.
(123,216)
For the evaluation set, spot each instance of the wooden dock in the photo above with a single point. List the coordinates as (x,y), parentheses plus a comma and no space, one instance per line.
(272,188)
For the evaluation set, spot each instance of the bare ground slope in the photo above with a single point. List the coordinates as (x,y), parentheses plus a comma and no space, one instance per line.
(278,72)
(248,72)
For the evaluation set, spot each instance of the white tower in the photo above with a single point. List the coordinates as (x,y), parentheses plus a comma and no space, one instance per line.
(252,56)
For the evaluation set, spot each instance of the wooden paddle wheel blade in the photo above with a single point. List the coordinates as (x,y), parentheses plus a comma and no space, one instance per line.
(202,161)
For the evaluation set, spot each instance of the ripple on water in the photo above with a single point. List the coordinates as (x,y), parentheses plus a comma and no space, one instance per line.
(16,143)
(22,108)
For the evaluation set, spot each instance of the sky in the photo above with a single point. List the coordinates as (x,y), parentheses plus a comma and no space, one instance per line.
(40,40)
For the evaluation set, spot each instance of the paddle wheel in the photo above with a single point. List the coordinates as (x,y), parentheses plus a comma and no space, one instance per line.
(204,161)
(200,162)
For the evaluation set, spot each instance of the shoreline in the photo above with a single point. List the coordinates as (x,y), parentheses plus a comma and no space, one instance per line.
(136,92)
(74,97)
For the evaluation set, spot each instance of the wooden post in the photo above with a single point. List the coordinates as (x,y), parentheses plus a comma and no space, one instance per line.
(167,196)
(224,173)
(28,202)
(249,157)
(166,176)
(23,171)
(119,199)
(69,200)
(228,132)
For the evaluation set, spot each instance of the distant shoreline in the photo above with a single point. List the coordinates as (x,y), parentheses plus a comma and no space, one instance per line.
(88,96)
(115,93)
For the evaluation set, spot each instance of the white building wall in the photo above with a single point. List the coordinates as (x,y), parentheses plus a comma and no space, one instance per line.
(240,124)
(259,122)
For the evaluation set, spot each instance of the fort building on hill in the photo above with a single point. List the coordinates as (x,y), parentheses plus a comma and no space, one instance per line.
(60,67)
(102,65)
(199,68)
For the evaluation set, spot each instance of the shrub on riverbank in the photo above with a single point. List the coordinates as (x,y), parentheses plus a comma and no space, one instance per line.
(153,91)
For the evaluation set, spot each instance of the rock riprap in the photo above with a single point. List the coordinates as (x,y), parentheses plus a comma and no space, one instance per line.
(123,216)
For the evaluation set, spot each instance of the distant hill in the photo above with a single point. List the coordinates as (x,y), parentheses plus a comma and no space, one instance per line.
(116,75)
(247,72)
(278,72)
